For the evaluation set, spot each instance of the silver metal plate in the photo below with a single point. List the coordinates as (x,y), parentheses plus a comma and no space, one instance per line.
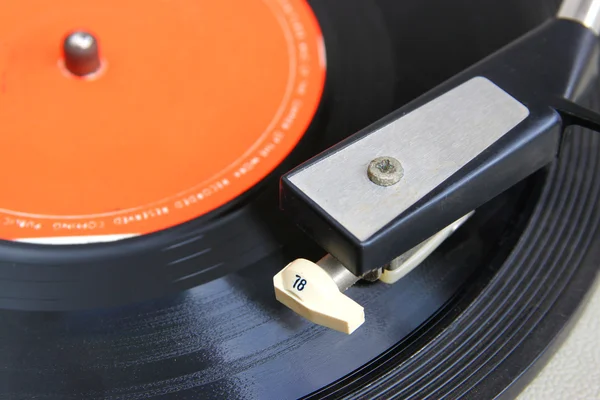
(586,12)
(432,143)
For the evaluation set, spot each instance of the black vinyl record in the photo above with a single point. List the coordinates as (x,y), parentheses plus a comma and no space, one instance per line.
(468,323)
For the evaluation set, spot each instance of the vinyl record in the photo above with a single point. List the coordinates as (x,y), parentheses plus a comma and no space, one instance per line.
(118,190)
(159,171)
(188,312)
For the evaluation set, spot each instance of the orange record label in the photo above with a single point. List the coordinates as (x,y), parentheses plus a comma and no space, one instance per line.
(196,101)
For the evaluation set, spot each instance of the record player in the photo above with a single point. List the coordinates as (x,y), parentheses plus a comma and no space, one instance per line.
(287,198)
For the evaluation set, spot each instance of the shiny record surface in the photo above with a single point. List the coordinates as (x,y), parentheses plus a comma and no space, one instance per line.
(229,338)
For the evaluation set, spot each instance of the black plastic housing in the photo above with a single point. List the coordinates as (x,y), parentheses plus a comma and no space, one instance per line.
(545,67)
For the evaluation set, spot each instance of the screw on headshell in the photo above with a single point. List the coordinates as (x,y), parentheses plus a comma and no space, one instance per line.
(385,171)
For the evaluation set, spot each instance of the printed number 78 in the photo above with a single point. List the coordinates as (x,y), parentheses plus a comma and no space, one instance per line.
(299,284)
